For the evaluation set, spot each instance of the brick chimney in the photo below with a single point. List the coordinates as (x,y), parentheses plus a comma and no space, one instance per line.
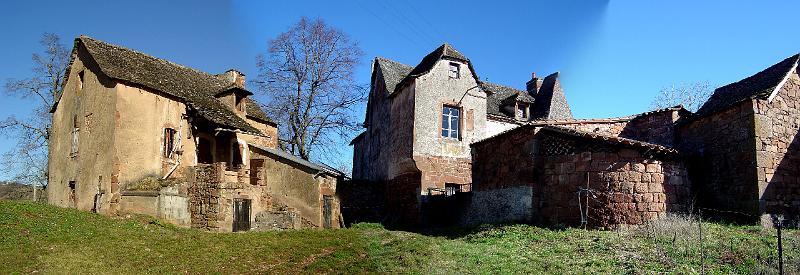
(533,85)
(235,77)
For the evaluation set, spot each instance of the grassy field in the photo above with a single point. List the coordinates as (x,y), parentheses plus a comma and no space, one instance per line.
(40,238)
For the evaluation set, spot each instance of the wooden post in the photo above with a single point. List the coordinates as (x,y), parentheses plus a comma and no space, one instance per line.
(780,248)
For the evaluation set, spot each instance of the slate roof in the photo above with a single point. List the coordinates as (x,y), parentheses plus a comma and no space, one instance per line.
(195,88)
(298,160)
(759,85)
(614,140)
(608,139)
(499,95)
(427,63)
(254,111)
(393,72)
(551,103)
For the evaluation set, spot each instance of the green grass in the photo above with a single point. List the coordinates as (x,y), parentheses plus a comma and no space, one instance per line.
(46,239)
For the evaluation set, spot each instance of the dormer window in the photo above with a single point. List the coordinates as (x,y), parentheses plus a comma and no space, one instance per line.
(522,110)
(240,103)
(455,70)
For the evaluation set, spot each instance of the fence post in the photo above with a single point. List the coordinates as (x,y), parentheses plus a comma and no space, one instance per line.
(780,247)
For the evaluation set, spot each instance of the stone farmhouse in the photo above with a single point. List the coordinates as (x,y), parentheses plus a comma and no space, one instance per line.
(442,147)
(137,134)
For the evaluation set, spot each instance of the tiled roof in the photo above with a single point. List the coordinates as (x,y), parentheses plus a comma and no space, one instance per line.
(196,88)
(551,103)
(759,85)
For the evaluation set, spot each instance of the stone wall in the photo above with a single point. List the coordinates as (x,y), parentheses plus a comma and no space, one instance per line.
(720,155)
(777,149)
(403,201)
(616,186)
(437,171)
(362,201)
(512,204)
(89,105)
(204,197)
(624,184)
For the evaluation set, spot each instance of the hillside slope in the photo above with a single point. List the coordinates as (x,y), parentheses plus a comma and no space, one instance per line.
(42,238)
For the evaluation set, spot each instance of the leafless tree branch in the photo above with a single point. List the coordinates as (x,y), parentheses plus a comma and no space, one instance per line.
(308,78)
(27,162)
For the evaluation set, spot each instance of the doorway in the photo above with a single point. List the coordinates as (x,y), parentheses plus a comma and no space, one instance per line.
(241,215)
(327,211)
(204,148)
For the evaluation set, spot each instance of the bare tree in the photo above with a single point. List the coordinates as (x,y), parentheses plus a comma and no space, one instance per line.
(691,96)
(27,161)
(307,76)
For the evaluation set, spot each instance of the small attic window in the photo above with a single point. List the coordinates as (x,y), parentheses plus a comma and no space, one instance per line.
(240,103)
(455,70)
(80,80)
(522,110)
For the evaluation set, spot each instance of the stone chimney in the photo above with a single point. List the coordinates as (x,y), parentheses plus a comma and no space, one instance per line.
(533,85)
(235,77)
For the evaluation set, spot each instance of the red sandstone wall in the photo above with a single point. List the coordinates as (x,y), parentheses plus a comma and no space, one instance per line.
(777,149)
(626,187)
(721,160)
(621,187)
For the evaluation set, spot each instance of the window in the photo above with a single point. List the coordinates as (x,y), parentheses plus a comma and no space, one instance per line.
(169,142)
(73,150)
(450,122)
(80,80)
(455,70)
(523,110)
(451,189)
(240,103)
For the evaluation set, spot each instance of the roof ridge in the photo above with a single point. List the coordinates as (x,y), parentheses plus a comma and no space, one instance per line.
(393,61)
(153,57)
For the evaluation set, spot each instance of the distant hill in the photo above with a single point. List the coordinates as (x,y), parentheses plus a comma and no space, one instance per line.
(20,192)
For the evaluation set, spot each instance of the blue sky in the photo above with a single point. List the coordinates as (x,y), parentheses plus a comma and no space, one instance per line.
(614,56)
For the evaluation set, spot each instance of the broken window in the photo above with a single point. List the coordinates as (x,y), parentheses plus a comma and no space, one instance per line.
(76,128)
(169,142)
(450,122)
(455,70)
(80,80)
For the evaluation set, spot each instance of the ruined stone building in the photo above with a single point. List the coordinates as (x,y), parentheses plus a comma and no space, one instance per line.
(134,133)
(420,122)
(448,149)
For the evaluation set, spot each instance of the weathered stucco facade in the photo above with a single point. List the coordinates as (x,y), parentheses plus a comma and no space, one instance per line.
(133,133)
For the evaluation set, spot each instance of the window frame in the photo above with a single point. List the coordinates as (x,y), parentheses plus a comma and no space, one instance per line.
(168,143)
(451,71)
(449,122)
(75,133)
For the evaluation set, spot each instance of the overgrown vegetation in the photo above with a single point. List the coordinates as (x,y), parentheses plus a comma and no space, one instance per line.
(38,237)
(150,183)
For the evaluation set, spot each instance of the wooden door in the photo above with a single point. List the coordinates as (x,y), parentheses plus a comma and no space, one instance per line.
(327,211)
